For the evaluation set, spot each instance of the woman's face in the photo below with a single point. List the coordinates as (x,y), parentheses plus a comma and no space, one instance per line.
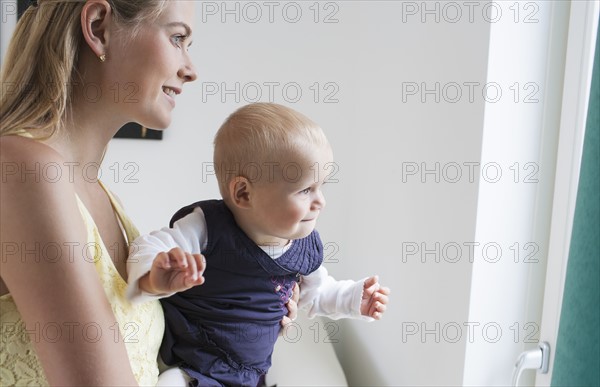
(149,70)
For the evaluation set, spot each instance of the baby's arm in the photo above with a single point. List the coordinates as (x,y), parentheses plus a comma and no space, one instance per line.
(322,295)
(168,260)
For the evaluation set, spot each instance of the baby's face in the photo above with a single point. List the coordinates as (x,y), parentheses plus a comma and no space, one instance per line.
(287,206)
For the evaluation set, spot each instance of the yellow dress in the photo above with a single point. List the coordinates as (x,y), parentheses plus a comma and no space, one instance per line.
(141,326)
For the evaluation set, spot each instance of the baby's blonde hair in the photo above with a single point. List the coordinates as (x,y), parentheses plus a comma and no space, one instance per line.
(258,135)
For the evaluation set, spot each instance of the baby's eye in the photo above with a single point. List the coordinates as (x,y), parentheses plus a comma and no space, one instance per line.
(305,191)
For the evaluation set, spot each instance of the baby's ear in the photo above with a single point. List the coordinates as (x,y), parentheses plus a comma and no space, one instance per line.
(239,191)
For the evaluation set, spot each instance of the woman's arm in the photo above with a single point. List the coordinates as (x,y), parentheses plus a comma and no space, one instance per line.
(58,289)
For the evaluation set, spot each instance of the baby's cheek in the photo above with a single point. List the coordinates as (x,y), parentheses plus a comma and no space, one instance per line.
(297,211)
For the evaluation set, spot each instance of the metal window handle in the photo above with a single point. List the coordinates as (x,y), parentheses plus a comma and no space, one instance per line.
(535,359)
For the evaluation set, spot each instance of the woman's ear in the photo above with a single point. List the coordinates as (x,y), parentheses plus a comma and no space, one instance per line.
(240,189)
(96,18)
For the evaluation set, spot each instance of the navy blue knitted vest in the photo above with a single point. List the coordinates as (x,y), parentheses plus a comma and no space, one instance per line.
(223,331)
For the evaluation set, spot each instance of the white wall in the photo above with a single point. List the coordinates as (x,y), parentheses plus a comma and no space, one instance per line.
(8,21)
(362,61)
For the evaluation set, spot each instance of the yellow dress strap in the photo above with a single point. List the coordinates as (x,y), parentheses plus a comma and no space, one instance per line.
(130,230)
(24,133)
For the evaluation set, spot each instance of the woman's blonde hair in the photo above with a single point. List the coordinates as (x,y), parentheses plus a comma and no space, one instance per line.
(258,135)
(40,67)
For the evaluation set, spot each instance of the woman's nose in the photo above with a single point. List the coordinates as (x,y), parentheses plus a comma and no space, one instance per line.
(188,71)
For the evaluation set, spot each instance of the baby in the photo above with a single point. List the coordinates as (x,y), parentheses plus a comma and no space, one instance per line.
(247,252)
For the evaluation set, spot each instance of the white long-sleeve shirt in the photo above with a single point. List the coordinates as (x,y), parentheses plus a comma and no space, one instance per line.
(320,294)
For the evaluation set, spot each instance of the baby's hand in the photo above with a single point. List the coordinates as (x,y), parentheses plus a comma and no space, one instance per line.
(174,271)
(375,298)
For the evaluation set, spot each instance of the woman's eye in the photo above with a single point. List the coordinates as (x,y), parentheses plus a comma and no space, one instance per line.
(178,40)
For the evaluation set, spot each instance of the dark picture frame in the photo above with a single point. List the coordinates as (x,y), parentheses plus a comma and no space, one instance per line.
(135,130)
(129,130)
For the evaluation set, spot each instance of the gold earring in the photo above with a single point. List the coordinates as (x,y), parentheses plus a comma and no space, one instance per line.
(102,58)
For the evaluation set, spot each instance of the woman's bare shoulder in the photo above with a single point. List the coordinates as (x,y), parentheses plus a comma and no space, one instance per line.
(31,169)
(26,150)
(34,185)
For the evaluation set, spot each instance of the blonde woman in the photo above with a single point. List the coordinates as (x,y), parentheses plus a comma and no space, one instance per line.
(64,318)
